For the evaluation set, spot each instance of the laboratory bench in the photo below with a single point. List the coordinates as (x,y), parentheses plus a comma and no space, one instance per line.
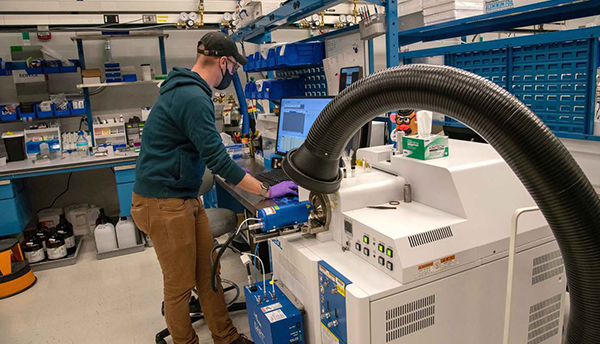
(15,205)
(232,197)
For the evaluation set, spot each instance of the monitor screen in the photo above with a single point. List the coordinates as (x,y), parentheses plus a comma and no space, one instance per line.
(349,75)
(296,117)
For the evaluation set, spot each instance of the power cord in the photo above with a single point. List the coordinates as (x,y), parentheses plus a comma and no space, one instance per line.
(64,192)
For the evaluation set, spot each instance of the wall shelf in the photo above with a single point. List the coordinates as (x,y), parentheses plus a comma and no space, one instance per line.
(112,84)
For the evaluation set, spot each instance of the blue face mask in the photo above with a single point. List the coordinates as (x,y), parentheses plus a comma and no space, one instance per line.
(226,80)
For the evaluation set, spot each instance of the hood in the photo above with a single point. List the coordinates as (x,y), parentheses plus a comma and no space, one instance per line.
(181,77)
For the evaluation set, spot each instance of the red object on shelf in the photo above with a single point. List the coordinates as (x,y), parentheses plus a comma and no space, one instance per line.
(44,36)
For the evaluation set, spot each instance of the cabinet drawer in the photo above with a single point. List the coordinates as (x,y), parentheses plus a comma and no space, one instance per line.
(125,174)
(10,188)
(124,190)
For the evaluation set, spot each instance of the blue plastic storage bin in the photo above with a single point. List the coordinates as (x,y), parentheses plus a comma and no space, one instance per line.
(43,114)
(297,54)
(271,60)
(33,147)
(36,70)
(15,65)
(52,67)
(62,113)
(10,117)
(70,69)
(75,111)
(26,115)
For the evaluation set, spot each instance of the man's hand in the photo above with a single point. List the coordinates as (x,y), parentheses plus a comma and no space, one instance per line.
(283,189)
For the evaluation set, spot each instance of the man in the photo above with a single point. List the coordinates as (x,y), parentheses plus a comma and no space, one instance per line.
(180,139)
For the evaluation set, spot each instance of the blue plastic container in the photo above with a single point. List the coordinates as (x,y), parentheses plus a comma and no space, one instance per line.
(298,54)
(281,88)
(15,65)
(70,69)
(75,111)
(52,67)
(129,78)
(10,117)
(62,113)
(36,70)
(26,115)
(43,114)
(271,61)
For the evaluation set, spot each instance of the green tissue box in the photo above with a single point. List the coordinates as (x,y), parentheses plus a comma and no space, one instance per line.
(434,147)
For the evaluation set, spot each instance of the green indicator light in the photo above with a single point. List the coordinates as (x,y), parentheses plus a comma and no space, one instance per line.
(381,248)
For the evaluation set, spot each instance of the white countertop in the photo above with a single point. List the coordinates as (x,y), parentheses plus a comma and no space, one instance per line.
(72,161)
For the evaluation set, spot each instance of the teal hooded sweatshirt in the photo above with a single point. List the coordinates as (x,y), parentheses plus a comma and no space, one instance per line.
(180,139)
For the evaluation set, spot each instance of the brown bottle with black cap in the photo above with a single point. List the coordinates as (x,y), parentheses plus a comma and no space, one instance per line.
(55,246)
(65,228)
(34,250)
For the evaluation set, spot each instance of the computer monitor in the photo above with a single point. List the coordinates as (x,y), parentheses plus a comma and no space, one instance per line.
(296,116)
(349,75)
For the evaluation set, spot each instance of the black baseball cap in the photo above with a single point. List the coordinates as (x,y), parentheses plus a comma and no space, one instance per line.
(220,44)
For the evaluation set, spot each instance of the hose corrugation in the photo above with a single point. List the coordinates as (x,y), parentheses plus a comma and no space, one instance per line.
(544,166)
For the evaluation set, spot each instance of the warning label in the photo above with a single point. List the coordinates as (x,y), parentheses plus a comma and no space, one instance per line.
(327,337)
(272,307)
(275,316)
(437,265)
(341,287)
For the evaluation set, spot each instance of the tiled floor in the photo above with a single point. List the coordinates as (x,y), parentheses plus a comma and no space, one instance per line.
(113,301)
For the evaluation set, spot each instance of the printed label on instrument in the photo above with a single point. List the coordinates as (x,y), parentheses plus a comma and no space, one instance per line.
(437,265)
(271,307)
(327,337)
(275,316)
(269,211)
(327,273)
(341,287)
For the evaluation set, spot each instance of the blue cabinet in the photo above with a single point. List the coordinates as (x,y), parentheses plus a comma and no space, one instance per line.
(125,176)
(14,206)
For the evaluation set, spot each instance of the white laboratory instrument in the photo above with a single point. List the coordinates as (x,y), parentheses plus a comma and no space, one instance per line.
(430,271)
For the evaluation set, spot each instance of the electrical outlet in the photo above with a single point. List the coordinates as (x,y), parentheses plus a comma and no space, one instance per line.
(111,19)
(149,18)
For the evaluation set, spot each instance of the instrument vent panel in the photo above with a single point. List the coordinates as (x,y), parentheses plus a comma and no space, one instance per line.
(430,236)
(544,320)
(409,318)
(547,266)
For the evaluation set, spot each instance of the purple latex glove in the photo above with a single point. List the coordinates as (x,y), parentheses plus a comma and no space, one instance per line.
(284,188)
(246,170)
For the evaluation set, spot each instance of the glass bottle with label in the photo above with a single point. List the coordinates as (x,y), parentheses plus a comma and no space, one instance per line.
(65,228)
(42,234)
(34,250)
(55,247)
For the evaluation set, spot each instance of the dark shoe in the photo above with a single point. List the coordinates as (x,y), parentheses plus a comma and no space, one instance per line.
(242,340)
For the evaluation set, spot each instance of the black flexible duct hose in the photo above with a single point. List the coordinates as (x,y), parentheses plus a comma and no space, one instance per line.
(550,174)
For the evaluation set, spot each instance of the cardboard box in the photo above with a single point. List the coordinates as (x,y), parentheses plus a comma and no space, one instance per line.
(434,147)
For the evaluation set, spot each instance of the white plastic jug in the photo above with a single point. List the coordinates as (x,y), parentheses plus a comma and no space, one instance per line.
(92,215)
(126,236)
(49,217)
(106,240)
(77,215)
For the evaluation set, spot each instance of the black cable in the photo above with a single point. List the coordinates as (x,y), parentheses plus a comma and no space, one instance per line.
(59,196)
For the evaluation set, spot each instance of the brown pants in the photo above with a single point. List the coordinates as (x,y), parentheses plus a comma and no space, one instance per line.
(183,242)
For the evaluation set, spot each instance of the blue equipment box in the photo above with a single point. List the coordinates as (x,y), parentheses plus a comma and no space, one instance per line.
(332,286)
(275,321)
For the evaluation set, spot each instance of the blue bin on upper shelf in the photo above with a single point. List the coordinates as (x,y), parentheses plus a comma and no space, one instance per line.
(298,54)
(36,70)
(10,117)
(69,69)
(276,89)
(75,111)
(62,113)
(25,115)
(15,65)
(43,114)
(271,60)
(52,67)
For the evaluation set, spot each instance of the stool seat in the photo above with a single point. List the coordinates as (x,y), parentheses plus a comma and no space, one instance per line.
(222,221)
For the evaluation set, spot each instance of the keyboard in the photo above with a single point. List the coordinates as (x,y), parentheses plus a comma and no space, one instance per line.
(273,177)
